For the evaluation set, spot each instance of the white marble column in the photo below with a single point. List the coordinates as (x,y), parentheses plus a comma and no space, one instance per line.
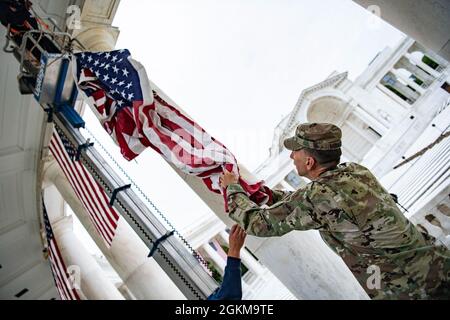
(215,257)
(142,275)
(414,69)
(95,30)
(127,254)
(408,81)
(422,65)
(93,282)
(98,38)
(246,258)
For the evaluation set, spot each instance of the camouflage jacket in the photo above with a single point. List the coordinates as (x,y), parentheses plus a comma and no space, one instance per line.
(359,221)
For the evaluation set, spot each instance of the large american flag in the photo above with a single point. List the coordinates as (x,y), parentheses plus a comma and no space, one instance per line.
(63,284)
(136,117)
(103,216)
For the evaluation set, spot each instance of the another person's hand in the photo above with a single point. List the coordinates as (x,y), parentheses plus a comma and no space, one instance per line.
(227,178)
(236,239)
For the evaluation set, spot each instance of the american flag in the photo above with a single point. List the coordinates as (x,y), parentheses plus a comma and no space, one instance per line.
(65,289)
(103,216)
(136,117)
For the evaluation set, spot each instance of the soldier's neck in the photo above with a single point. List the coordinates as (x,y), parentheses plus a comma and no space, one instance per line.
(313,175)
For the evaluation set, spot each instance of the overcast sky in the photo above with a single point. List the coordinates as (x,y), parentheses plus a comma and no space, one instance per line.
(237,67)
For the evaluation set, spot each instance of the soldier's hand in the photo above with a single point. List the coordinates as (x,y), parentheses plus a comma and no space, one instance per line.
(227,178)
(236,239)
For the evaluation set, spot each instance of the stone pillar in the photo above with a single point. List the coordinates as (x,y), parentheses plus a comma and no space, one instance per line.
(215,257)
(93,282)
(392,80)
(246,258)
(96,32)
(422,65)
(98,39)
(418,72)
(142,275)
(127,254)
(409,81)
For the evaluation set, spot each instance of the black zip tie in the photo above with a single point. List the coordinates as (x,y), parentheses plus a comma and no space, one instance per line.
(158,242)
(403,207)
(49,111)
(82,147)
(395,198)
(116,191)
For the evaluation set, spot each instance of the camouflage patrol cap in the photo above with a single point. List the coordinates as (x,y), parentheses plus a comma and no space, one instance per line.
(318,136)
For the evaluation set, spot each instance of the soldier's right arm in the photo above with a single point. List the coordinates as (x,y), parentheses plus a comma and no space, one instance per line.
(292,212)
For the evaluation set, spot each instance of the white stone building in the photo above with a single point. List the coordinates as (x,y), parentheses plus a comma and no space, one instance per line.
(395,108)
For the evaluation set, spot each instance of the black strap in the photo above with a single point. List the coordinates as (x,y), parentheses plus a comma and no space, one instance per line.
(116,191)
(49,111)
(82,147)
(395,198)
(158,242)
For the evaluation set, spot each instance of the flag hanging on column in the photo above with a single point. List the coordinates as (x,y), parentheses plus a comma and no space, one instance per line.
(136,117)
(103,216)
(60,275)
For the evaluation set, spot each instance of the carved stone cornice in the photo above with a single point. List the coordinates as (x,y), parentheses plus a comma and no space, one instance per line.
(287,125)
(330,82)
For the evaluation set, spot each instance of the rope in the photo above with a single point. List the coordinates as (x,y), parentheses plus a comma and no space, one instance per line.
(421,152)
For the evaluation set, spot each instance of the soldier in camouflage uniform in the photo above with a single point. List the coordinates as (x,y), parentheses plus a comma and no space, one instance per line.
(355,216)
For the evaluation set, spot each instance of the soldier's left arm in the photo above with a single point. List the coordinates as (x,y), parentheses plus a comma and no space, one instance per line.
(293,212)
(278,195)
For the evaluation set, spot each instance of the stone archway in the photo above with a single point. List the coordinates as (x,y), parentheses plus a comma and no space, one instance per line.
(328,109)
(357,135)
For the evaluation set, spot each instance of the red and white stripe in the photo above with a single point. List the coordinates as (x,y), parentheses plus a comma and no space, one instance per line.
(103,216)
(63,284)
(182,142)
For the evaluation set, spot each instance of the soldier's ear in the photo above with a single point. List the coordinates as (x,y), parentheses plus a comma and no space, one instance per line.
(312,163)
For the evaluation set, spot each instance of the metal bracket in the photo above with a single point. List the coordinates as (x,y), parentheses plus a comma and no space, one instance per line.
(158,242)
(116,191)
(83,147)
(71,115)
(49,111)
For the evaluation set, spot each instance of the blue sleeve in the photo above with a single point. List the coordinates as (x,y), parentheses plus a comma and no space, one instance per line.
(231,288)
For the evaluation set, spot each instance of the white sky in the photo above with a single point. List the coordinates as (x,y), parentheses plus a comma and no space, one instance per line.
(237,67)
